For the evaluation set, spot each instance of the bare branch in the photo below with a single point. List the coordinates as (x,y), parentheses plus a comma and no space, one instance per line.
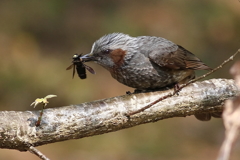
(18,130)
(37,153)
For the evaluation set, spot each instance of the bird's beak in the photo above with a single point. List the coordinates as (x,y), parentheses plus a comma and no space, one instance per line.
(87,57)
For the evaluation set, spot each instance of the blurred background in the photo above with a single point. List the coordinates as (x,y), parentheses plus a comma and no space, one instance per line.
(39,38)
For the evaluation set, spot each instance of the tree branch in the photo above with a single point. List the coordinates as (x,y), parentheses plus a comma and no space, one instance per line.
(18,130)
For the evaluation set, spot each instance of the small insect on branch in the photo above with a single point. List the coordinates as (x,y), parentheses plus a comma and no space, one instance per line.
(78,64)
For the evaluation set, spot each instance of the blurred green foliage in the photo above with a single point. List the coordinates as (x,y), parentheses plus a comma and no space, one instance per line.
(38,39)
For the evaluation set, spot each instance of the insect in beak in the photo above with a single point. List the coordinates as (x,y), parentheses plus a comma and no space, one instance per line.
(78,64)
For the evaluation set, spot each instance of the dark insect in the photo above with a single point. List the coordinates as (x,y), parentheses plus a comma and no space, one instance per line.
(79,65)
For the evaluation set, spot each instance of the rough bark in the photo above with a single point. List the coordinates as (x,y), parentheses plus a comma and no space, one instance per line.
(18,130)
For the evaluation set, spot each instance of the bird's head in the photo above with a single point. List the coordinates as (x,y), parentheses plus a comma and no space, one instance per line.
(111,50)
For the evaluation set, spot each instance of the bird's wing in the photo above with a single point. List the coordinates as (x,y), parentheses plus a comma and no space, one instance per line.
(176,57)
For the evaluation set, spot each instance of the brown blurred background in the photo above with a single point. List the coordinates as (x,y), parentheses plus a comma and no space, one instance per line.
(38,39)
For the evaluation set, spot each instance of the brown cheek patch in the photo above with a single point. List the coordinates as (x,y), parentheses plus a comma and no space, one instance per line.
(117,56)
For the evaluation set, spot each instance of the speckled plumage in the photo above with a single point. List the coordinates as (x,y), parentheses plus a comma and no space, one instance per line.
(145,62)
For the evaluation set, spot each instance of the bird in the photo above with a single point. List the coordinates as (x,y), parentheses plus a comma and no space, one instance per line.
(146,62)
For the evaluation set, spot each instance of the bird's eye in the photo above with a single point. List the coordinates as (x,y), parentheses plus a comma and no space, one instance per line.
(106,51)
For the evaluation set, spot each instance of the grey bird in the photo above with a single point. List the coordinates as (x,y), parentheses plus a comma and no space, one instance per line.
(146,62)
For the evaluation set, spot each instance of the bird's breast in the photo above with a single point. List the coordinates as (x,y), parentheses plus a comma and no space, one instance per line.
(144,75)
